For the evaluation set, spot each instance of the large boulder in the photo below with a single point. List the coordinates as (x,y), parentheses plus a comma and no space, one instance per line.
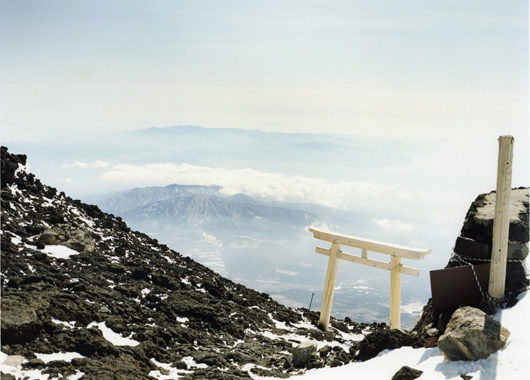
(76,238)
(19,321)
(471,335)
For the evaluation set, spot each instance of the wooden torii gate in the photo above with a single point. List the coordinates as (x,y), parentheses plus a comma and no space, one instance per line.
(394,266)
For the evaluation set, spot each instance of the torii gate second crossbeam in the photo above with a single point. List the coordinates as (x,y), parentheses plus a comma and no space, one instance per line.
(394,266)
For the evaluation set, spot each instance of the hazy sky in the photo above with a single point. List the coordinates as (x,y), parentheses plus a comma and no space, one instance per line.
(447,69)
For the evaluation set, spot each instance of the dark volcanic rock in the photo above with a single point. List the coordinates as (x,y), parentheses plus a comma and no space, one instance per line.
(374,343)
(407,373)
(19,321)
(170,313)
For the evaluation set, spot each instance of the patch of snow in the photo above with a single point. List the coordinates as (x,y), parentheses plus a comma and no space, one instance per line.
(145,291)
(237,342)
(278,324)
(47,202)
(185,280)
(21,168)
(16,240)
(305,324)
(182,319)
(70,325)
(249,366)
(59,251)
(174,373)
(64,356)
(82,218)
(76,376)
(169,260)
(191,363)
(413,308)
(14,190)
(12,365)
(112,337)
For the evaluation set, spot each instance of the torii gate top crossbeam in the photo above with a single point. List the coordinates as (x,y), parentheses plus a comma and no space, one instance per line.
(371,245)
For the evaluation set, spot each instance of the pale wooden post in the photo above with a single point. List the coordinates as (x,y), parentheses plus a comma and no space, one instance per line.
(329,287)
(395,292)
(501,223)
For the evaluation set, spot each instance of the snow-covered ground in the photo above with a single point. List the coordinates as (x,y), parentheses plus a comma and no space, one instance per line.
(511,363)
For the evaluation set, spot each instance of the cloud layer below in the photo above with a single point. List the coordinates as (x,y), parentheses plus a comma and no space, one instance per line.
(268,185)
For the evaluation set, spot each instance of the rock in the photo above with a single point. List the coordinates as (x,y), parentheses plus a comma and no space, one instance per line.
(471,248)
(466,377)
(324,351)
(76,238)
(433,331)
(471,335)
(303,354)
(479,219)
(104,309)
(19,321)
(34,363)
(14,360)
(407,373)
(374,343)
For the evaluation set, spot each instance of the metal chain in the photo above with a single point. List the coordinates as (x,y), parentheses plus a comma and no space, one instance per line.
(486,297)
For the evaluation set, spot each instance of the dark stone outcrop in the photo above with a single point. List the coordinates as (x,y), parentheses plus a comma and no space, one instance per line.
(475,240)
(474,245)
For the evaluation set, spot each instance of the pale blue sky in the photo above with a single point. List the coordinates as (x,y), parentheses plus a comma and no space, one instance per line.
(402,68)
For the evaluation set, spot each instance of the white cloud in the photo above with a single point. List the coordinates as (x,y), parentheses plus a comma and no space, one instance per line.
(86,165)
(413,308)
(287,272)
(262,184)
(395,225)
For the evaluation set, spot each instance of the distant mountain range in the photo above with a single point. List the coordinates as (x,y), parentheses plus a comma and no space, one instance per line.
(200,205)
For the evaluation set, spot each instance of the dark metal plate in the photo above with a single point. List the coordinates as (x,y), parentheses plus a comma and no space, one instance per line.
(457,286)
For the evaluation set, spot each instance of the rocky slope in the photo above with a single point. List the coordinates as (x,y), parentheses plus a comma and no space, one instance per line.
(83,296)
